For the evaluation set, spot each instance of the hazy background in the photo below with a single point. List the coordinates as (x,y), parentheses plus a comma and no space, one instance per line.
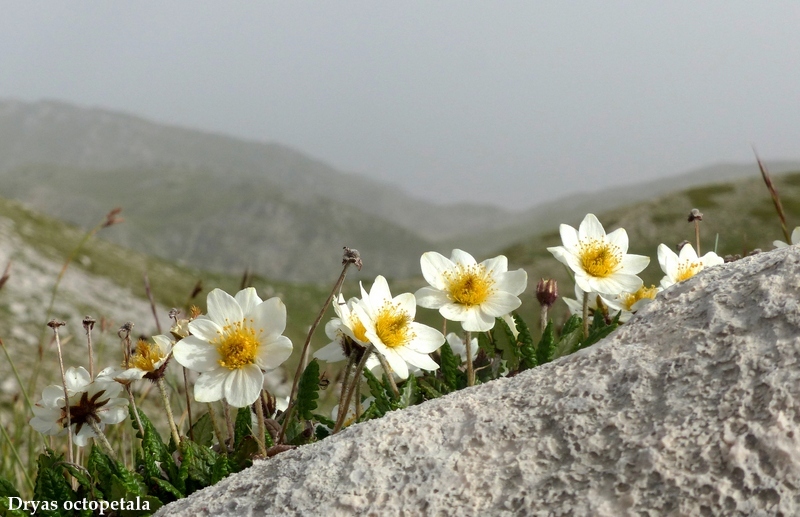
(510,103)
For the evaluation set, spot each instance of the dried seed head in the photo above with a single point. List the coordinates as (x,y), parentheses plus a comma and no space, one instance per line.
(125,329)
(547,292)
(173,314)
(695,215)
(54,324)
(352,256)
(88,323)
(112,219)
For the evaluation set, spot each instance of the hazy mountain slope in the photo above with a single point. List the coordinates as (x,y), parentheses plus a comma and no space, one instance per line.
(542,218)
(87,138)
(223,224)
(740,212)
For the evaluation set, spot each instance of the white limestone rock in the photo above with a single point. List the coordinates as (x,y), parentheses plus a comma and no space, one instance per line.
(690,409)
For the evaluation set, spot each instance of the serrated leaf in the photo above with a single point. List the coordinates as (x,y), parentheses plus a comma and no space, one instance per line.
(527,350)
(167,487)
(574,322)
(203,431)
(308,391)
(327,422)
(431,387)
(568,343)
(451,372)
(198,466)
(243,426)
(155,460)
(408,394)
(382,400)
(51,484)
(486,344)
(545,349)
(7,491)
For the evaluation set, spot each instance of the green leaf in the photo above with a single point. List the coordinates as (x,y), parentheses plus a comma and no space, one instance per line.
(527,351)
(51,484)
(568,343)
(199,467)
(155,458)
(242,456)
(574,322)
(382,400)
(308,391)
(450,367)
(7,491)
(486,344)
(599,330)
(203,431)
(408,394)
(430,387)
(167,487)
(327,422)
(545,349)
(243,426)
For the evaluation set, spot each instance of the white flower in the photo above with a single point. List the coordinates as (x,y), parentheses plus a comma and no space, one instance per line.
(628,303)
(232,346)
(147,360)
(389,325)
(600,262)
(474,294)
(88,400)
(347,325)
(678,268)
(459,347)
(795,239)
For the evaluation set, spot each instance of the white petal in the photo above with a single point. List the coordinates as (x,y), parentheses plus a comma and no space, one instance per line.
(196,354)
(379,293)
(477,321)
(664,253)
(417,359)
(205,329)
(209,386)
(634,264)
(712,259)
(453,312)
(431,298)
(687,254)
(462,257)
(560,254)
(397,363)
(569,239)
(223,308)
(77,378)
(619,238)
(591,228)
(513,282)
(242,387)
(426,339)
(500,303)
(330,353)
(616,284)
(247,299)
(497,265)
(269,319)
(434,265)
(407,303)
(274,353)
(164,344)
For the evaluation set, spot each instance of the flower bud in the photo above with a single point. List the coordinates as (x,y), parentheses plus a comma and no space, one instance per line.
(547,292)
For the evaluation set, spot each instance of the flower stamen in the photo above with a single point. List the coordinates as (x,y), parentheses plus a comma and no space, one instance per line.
(469,285)
(599,259)
(237,346)
(393,326)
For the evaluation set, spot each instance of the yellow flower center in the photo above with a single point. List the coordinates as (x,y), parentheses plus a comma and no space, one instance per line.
(598,258)
(469,285)
(630,299)
(237,346)
(687,270)
(393,326)
(146,356)
(358,329)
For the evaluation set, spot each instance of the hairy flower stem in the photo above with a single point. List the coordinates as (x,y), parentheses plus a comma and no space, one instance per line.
(585,315)
(543,318)
(54,325)
(697,234)
(217,429)
(470,368)
(101,439)
(262,428)
(165,399)
(135,410)
(88,325)
(303,355)
(389,374)
(344,403)
(776,200)
(188,403)
(226,411)
(351,362)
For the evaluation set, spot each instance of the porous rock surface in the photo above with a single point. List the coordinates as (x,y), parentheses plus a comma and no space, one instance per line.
(690,409)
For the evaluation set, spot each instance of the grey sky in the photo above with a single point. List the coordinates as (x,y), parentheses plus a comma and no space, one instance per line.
(501,102)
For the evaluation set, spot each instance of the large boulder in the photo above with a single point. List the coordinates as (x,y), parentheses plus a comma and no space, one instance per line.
(690,409)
